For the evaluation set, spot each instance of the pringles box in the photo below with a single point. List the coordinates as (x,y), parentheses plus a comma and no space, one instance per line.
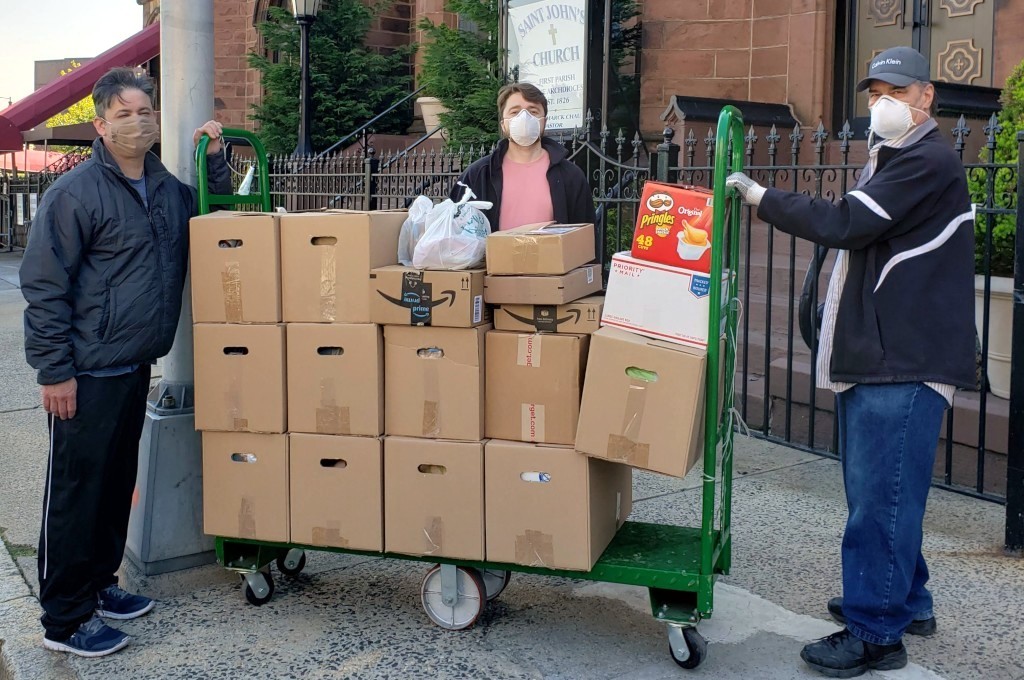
(674,225)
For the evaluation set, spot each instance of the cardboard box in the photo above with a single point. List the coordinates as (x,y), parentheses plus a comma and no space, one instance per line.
(240,378)
(404,296)
(236,268)
(661,302)
(643,403)
(434,381)
(534,383)
(326,258)
(434,498)
(582,316)
(551,507)
(337,491)
(674,225)
(543,290)
(245,485)
(336,379)
(540,249)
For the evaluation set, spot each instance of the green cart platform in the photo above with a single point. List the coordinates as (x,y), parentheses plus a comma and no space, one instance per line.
(678,565)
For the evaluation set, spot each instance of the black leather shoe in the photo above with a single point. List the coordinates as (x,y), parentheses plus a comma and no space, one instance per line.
(844,655)
(922,628)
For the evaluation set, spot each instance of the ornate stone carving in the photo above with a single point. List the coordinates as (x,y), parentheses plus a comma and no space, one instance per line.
(885,12)
(959,8)
(960,62)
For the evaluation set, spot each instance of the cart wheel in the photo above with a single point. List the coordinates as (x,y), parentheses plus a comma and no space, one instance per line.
(495,581)
(687,646)
(259,587)
(453,597)
(292,563)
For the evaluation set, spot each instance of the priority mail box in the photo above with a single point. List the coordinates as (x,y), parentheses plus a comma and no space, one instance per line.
(550,507)
(245,485)
(425,297)
(335,379)
(337,491)
(540,249)
(543,290)
(434,498)
(534,382)
(582,316)
(326,258)
(643,403)
(659,301)
(236,268)
(240,378)
(434,381)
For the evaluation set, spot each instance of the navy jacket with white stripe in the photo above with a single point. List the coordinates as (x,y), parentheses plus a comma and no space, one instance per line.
(907,311)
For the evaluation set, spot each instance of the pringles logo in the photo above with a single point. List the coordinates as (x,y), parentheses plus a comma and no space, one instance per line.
(660,216)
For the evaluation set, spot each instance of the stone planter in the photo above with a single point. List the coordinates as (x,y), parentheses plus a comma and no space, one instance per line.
(430,110)
(1000,330)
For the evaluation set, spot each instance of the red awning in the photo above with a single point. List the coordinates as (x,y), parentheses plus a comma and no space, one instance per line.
(66,90)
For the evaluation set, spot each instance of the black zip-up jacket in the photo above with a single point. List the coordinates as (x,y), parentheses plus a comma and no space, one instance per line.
(102,275)
(907,310)
(571,198)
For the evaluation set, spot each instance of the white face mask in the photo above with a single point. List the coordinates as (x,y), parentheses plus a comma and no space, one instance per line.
(891,118)
(524,128)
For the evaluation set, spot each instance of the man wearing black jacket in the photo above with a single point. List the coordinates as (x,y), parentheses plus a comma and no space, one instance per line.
(897,340)
(528,178)
(103,275)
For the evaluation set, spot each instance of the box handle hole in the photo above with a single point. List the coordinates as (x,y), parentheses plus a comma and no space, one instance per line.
(244,457)
(541,477)
(432,469)
(642,374)
(323,240)
(330,351)
(333,463)
(430,353)
(236,351)
(230,243)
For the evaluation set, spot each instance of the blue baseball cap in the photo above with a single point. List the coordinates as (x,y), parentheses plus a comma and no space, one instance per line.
(899,66)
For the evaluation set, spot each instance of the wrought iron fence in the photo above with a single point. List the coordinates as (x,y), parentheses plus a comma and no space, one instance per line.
(20,193)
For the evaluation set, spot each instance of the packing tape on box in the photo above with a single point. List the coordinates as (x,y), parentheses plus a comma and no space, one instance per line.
(535,549)
(328,284)
(233,401)
(627,447)
(231,285)
(433,535)
(529,350)
(525,252)
(247,518)
(329,535)
(532,422)
(331,418)
(431,397)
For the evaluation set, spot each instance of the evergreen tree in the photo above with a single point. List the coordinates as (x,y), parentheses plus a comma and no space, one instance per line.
(350,83)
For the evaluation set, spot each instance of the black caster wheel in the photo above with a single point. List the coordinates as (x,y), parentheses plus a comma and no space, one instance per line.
(292,563)
(495,581)
(259,587)
(687,646)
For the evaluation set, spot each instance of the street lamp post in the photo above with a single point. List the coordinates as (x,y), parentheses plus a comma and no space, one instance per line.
(305,12)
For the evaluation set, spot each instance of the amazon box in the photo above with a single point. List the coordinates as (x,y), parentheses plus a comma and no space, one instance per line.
(236,268)
(582,316)
(540,249)
(404,296)
(245,485)
(240,378)
(543,290)
(643,403)
(337,491)
(326,259)
(434,498)
(336,379)
(551,507)
(434,381)
(534,382)
(661,302)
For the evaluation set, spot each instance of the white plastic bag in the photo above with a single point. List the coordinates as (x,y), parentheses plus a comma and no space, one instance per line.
(412,229)
(455,236)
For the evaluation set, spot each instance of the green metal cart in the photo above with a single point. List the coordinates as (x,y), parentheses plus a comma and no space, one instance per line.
(678,565)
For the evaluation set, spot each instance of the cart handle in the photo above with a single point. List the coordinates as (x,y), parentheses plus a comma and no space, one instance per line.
(206,199)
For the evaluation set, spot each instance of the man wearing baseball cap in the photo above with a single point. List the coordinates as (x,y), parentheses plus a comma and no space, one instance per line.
(897,339)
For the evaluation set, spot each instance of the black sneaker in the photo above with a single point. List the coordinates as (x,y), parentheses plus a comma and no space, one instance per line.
(93,638)
(115,603)
(921,627)
(844,655)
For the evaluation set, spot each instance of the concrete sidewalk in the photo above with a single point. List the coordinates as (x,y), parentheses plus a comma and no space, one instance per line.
(357,617)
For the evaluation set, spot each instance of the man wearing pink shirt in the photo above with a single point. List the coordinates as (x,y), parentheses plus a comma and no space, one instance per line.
(528,178)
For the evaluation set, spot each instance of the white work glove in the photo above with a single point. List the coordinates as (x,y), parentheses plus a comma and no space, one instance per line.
(750,191)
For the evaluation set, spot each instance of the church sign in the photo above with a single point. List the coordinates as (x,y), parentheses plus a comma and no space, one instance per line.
(547,43)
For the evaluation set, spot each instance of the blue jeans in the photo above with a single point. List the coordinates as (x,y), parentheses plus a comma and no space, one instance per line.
(888,435)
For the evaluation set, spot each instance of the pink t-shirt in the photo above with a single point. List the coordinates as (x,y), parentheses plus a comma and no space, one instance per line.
(525,194)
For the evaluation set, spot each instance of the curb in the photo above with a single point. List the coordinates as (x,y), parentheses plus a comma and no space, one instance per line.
(22,656)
